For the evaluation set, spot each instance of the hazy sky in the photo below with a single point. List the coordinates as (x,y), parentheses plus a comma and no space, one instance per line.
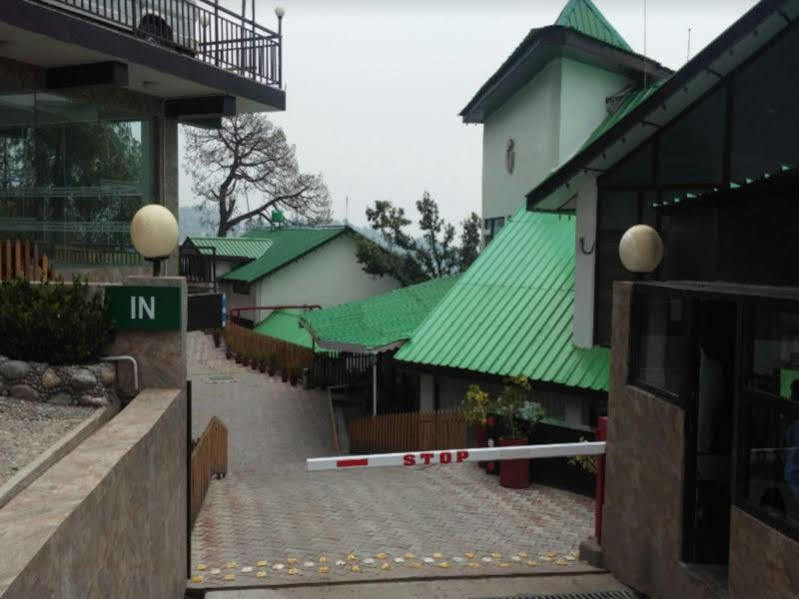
(374,87)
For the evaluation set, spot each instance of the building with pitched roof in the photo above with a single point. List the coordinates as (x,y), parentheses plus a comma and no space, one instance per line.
(288,266)
(541,104)
(513,312)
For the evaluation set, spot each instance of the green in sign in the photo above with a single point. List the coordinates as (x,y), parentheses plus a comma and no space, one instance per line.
(145,308)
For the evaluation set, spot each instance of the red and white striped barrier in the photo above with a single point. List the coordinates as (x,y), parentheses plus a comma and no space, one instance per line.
(457,456)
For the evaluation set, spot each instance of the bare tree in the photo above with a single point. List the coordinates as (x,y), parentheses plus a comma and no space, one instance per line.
(246,169)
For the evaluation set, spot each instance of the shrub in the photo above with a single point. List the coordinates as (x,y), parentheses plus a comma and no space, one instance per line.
(53,322)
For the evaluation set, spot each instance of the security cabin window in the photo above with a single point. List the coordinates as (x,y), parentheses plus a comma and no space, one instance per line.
(770,421)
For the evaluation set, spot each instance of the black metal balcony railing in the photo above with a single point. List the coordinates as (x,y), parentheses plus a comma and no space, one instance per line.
(200,28)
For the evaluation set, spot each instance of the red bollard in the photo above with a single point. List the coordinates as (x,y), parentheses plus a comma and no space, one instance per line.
(599,498)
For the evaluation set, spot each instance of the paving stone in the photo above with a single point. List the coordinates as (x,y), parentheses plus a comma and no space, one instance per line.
(269,508)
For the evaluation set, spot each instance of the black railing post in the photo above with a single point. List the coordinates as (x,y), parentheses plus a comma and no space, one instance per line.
(280,51)
(188,479)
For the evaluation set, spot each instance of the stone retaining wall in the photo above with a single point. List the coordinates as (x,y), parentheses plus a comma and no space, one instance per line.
(86,385)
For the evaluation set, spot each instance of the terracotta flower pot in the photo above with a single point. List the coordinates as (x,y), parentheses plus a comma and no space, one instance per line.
(514,474)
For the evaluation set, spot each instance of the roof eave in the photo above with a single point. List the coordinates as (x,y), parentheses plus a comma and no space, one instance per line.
(690,83)
(527,60)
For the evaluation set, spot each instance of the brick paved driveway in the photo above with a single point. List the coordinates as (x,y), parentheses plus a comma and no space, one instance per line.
(269,509)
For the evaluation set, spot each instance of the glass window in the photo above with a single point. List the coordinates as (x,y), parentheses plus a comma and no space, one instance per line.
(241,287)
(492,227)
(658,341)
(772,485)
(70,181)
(775,352)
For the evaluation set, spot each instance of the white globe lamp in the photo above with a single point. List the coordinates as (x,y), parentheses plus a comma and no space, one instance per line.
(641,249)
(154,232)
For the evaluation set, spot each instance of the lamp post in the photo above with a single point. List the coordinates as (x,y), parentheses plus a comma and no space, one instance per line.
(641,249)
(279,13)
(154,232)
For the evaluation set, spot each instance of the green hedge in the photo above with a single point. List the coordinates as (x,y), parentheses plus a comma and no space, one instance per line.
(53,322)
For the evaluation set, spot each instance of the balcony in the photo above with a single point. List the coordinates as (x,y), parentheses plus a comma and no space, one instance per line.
(224,63)
(199,28)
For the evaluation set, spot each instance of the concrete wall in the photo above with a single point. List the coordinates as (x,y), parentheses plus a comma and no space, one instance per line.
(763,561)
(109,519)
(531,117)
(327,276)
(582,95)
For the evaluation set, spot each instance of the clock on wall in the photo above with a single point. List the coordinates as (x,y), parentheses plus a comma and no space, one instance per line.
(510,156)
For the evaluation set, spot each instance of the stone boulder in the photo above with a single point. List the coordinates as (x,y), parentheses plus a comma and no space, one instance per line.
(14,369)
(93,401)
(24,392)
(82,379)
(50,380)
(108,374)
(61,399)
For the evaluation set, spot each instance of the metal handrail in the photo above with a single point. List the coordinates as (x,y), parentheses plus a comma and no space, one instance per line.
(200,28)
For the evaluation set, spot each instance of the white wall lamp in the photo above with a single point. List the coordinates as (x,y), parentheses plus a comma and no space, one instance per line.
(641,249)
(154,232)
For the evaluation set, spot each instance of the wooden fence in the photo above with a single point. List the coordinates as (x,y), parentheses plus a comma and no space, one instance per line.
(290,358)
(20,260)
(410,431)
(208,458)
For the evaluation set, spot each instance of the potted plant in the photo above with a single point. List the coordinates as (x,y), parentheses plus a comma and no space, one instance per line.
(255,360)
(475,412)
(262,359)
(239,357)
(272,364)
(284,372)
(294,376)
(516,414)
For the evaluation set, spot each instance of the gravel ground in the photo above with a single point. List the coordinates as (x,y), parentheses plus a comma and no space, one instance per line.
(27,428)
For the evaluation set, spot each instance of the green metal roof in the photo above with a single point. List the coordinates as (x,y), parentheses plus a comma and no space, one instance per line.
(379,321)
(285,325)
(583,16)
(232,247)
(511,312)
(627,105)
(286,245)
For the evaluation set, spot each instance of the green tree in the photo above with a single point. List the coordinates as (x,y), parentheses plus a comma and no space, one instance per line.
(435,254)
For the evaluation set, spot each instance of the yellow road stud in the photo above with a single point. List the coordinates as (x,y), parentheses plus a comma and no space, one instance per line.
(196,578)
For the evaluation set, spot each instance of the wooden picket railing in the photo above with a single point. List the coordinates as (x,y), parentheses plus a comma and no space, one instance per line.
(289,357)
(410,431)
(20,260)
(208,458)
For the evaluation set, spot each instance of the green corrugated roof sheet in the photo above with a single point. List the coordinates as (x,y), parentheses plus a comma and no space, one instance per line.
(378,321)
(511,312)
(286,245)
(233,247)
(585,17)
(285,325)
